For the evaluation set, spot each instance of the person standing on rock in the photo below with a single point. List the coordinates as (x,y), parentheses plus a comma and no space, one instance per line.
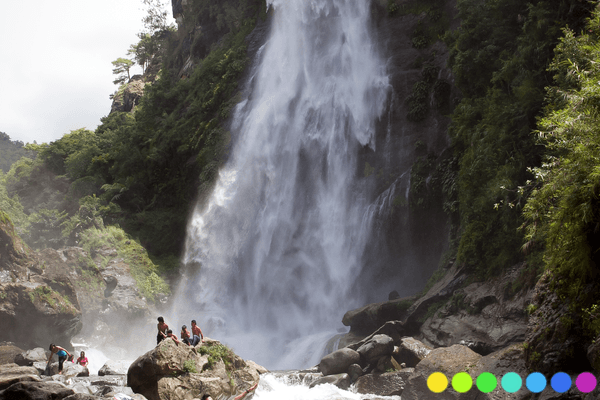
(62,356)
(162,330)
(197,331)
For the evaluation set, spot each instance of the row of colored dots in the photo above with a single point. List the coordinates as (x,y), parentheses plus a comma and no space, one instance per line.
(511,382)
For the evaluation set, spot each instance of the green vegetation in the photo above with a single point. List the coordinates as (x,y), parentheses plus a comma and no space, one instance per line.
(56,301)
(563,211)
(217,352)
(499,58)
(11,151)
(121,69)
(189,366)
(143,270)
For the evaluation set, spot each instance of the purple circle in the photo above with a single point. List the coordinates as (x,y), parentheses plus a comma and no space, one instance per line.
(586,382)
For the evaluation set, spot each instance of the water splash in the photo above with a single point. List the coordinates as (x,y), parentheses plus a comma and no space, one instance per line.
(271,256)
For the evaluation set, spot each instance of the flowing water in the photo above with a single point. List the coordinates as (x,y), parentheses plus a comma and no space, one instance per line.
(272,254)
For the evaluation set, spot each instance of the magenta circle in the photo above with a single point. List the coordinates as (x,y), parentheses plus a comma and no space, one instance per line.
(586,382)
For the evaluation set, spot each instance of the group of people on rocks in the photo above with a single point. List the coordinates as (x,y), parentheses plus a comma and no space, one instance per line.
(191,339)
(63,354)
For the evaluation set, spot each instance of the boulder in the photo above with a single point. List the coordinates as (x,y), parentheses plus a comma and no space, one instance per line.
(36,391)
(13,373)
(71,370)
(447,360)
(31,356)
(8,352)
(411,351)
(185,372)
(81,396)
(355,371)
(112,367)
(342,381)
(386,384)
(338,361)
(378,346)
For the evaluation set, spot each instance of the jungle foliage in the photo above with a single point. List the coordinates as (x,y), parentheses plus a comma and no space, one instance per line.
(499,57)
(142,170)
(563,209)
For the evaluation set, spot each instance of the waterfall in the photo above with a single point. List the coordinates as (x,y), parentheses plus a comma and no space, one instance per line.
(272,254)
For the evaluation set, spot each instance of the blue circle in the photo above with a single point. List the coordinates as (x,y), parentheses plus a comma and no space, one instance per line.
(536,382)
(561,382)
(511,382)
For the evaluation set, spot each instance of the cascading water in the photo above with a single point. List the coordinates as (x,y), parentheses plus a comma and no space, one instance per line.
(273,253)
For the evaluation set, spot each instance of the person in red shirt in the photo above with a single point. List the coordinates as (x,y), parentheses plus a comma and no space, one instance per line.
(82,360)
(197,331)
(162,329)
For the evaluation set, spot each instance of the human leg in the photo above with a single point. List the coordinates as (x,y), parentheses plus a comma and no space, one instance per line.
(61,361)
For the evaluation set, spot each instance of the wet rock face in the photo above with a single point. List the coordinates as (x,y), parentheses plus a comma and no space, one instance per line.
(485,316)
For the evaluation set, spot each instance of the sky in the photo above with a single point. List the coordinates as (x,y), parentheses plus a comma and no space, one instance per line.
(55,63)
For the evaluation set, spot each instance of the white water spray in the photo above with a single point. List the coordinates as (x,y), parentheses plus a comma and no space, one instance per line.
(273,253)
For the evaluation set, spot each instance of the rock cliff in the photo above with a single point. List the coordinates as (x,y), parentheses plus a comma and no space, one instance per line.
(37,306)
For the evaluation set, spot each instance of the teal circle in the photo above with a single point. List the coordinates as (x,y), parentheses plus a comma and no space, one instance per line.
(536,382)
(511,382)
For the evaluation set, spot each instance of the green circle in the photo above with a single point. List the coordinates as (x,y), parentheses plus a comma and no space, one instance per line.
(486,382)
(462,382)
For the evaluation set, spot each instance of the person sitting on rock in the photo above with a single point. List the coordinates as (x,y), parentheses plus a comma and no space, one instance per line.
(197,331)
(170,334)
(62,356)
(82,360)
(185,335)
(162,329)
(186,338)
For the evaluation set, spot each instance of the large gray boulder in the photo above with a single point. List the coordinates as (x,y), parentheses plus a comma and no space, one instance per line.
(111,367)
(8,352)
(31,356)
(411,351)
(386,384)
(338,361)
(13,373)
(447,360)
(36,391)
(184,372)
(377,347)
(342,381)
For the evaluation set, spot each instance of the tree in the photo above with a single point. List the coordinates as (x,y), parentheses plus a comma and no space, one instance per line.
(156,17)
(121,67)
(144,50)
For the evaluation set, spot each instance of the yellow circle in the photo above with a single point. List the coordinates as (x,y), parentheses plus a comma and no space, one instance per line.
(437,382)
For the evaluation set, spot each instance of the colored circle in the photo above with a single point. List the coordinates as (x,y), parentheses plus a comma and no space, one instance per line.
(486,382)
(560,382)
(462,382)
(586,382)
(536,382)
(511,382)
(437,382)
